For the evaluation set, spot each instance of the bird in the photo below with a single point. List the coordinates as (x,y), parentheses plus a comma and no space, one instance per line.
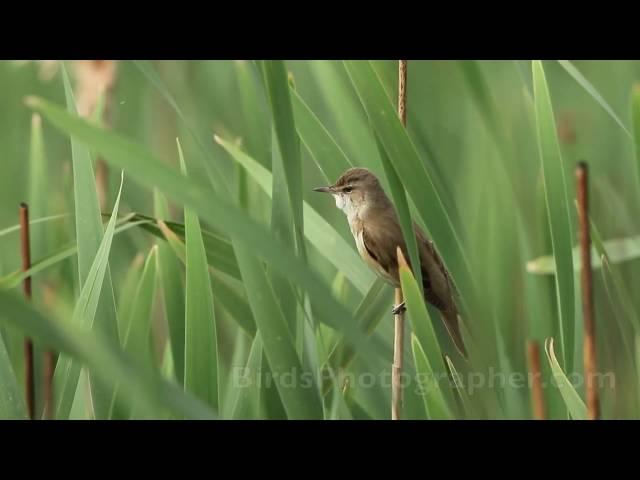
(377,233)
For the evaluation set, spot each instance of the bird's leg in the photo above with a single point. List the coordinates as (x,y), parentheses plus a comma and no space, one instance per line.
(399,308)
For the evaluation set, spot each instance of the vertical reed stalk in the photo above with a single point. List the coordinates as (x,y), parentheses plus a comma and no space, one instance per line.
(593,402)
(537,397)
(398,343)
(28,344)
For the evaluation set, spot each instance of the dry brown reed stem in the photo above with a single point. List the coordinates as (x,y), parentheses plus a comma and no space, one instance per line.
(398,342)
(537,396)
(26,284)
(582,192)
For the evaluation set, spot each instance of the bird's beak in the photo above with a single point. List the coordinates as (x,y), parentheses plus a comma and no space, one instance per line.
(323,189)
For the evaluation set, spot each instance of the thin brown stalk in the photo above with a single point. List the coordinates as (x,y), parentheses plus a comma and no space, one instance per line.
(402,91)
(593,402)
(28,344)
(537,397)
(398,350)
(398,343)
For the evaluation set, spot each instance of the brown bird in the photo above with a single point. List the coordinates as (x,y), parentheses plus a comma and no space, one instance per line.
(377,232)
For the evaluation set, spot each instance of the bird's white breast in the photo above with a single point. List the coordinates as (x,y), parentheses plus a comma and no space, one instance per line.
(344,203)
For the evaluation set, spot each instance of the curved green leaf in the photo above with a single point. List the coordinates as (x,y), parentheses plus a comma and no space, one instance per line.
(171,281)
(67,371)
(572,400)
(429,383)
(200,348)
(557,202)
(420,320)
(247,403)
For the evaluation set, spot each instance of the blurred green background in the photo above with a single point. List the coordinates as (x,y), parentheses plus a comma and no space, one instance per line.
(474,128)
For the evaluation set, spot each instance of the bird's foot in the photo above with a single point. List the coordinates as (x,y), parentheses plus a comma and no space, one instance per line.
(400,308)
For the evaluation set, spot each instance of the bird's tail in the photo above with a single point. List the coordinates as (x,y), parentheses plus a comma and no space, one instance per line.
(451,321)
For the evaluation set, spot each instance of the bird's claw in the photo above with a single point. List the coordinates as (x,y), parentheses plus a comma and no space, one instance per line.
(400,308)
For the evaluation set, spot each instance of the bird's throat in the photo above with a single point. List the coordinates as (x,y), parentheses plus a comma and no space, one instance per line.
(345,203)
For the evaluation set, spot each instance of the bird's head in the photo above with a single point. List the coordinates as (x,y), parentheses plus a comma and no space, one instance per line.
(356,190)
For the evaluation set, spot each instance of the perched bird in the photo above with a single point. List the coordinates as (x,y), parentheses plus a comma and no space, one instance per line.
(377,233)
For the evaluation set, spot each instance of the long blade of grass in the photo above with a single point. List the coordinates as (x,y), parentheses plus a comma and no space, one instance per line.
(200,348)
(289,144)
(558,210)
(39,185)
(591,90)
(247,405)
(67,370)
(171,281)
(420,320)
(423,328)
(283,227)
(88,234)
(287,220)
(429,383)
(252,104)
(572,400)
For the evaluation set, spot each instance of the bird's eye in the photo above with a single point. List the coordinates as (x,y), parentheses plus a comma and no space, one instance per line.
(348,189)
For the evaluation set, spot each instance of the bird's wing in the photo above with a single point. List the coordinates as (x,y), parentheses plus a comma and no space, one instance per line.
(379,257)
(435,277)
(438,288)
